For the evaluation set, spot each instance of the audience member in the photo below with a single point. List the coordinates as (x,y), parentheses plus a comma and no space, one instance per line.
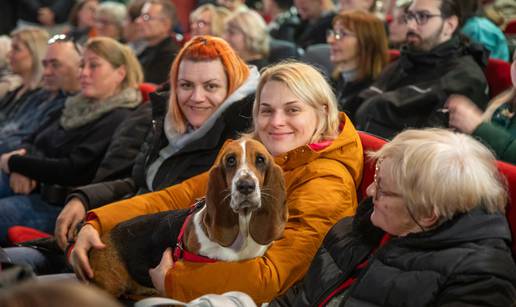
(60,79)
(496,127)
(283,19)
(398,27)
(109,20)
(246,32)
(185,140)
(233,5)
(55,294)
(50,14)
(8,80)
(433,234)
(132,30)
(67,151)
(365,5)
(156,20)
(208,19)
(435,64)
(28,48)
(316,18)
(481,30)
(295,116)
(358,50)
(82,20)
(9,16)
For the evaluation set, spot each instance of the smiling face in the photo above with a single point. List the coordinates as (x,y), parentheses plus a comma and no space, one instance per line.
(98,78)
(201,88)
(284,122)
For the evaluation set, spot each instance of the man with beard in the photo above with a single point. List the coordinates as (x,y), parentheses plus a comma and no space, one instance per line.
(435,63)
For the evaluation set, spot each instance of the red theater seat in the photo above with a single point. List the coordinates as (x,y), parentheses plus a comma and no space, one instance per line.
(498,75)
(146,89)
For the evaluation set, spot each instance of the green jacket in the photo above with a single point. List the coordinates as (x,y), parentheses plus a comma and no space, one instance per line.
(500,134)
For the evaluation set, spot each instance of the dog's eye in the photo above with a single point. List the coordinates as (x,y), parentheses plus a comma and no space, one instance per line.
(260,160)
(231,161)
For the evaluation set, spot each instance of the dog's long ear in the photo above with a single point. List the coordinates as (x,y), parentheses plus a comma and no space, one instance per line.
(220,222)
(268,222)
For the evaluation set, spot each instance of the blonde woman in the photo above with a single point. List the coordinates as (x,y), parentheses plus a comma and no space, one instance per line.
(28,48)
(246,32)
(295,116)
(496,127)
(68,149)
(208,19)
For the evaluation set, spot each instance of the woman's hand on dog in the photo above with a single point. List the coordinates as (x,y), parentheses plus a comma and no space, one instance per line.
(158,273)
(87,238)
(71,215)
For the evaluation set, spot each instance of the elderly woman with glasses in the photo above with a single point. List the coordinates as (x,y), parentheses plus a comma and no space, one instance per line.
(358,51)
(433,232)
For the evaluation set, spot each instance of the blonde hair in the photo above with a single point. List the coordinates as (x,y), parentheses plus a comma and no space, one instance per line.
(445,172)
(308,84)
(118,55)
(254,28)
(205,48)
(372,42)
(35,39)
(218,14)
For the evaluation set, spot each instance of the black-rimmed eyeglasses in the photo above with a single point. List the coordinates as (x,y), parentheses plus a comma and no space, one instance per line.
(337,34)
(421,18)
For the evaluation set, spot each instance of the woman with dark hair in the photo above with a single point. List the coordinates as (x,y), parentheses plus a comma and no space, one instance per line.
(82,20)
(358,51)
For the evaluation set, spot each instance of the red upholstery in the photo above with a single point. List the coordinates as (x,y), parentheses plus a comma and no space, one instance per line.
(509,171)
(498,74)
(370,142)
(19,234)
(511,27)
(394,54)
(146,89)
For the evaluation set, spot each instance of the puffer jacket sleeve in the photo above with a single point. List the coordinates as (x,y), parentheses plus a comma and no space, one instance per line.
(314,206)
(96,195)
(178,196)
(495,286)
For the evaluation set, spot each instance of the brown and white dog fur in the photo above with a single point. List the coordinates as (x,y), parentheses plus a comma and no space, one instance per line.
(245,212)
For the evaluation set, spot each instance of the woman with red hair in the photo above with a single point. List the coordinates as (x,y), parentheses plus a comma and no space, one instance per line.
(210,101)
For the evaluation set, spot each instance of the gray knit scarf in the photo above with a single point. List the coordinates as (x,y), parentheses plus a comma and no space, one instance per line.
(79,110)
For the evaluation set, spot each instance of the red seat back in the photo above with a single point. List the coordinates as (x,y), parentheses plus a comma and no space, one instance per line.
(372,143)
(510,29)
(498,75)
(146,89)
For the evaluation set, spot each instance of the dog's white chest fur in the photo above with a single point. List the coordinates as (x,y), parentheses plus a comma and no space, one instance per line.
(244,246)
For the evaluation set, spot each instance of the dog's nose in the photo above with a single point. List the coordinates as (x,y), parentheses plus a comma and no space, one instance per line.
(245,186)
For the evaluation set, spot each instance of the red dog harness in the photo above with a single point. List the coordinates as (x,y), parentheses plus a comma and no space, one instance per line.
(180,253)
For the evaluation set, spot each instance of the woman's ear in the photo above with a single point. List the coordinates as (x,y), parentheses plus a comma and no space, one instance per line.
(121,73)
(429,220)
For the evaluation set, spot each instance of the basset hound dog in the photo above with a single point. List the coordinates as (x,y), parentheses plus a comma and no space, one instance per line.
(243,212)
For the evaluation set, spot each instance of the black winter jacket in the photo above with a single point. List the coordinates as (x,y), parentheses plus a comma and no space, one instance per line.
(157,60)
(195,158)
(412,91)
(67,157)
(466,261)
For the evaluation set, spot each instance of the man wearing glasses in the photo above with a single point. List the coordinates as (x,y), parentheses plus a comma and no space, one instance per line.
(156,21)
(435,63)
